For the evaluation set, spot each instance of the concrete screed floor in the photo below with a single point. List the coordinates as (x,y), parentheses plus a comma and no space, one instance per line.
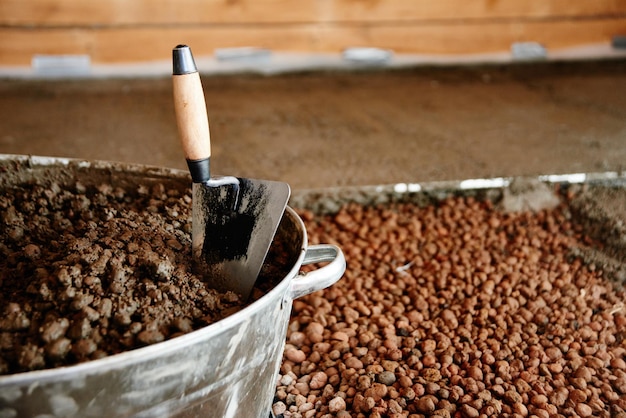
(325,129)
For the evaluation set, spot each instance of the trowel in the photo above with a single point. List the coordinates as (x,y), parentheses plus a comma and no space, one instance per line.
(234,219)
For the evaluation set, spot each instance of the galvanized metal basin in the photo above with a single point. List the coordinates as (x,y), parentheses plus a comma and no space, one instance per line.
(227,369)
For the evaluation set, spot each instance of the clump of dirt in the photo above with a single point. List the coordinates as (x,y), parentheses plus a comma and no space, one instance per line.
(90,271)
(528,195)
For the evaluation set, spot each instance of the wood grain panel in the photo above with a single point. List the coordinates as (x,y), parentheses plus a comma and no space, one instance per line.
(88,13)
(140,44)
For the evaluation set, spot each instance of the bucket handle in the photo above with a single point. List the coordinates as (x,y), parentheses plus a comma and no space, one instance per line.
(306,283)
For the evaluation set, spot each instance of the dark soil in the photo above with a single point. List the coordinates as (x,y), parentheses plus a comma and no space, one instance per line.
(91,271)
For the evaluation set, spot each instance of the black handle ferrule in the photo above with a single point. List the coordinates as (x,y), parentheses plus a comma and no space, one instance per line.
(200,170)
(182,60)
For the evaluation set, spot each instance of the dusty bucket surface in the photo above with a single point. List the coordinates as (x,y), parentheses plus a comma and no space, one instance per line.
(225,369)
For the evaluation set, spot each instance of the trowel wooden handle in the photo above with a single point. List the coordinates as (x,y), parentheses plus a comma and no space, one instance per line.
(191,114)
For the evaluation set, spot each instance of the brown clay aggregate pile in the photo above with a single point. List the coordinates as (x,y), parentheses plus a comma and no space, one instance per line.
(456,310)
(86,272)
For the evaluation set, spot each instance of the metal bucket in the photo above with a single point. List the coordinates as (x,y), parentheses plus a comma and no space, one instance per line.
(227,369)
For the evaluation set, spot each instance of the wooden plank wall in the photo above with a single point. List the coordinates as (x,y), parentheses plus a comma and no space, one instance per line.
(118,31)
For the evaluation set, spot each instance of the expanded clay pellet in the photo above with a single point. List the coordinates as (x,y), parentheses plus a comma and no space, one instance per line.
(455,310)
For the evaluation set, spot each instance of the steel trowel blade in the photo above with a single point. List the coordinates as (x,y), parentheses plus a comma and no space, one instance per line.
(233,228)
